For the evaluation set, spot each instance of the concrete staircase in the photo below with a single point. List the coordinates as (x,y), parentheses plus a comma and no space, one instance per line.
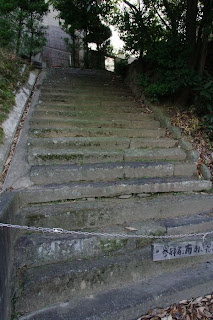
(100,163)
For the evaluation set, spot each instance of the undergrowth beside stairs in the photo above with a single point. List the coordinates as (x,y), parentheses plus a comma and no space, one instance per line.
(13,74)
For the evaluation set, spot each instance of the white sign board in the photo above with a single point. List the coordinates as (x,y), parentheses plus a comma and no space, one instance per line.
(168,251)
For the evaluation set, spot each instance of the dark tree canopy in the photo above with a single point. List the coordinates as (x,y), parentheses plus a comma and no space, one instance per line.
(21,25)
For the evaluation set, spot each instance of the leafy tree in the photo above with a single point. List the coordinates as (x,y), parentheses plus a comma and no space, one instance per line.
(99,34)
(32,32)
(7,22)
(83,15)
(21,25)
(171,38)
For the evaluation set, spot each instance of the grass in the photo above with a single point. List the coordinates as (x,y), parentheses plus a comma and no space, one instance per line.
(11,79)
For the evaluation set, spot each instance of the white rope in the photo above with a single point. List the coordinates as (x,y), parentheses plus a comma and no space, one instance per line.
(99,234)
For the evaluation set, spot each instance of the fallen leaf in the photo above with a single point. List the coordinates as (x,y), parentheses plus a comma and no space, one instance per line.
(131,229)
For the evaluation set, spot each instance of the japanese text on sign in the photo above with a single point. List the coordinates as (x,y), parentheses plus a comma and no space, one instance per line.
(161,251)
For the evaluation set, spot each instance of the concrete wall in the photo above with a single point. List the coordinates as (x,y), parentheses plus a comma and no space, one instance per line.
(55,53)
(131,79)
(9,204)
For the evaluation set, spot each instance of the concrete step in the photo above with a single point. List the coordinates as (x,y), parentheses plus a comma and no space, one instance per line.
(154,154)
(66,156)
(106,143)
(97,213)
(73,96)
(60,156)
(96,132)
(79,114)
(66,123)
(84,84)
(68,107)
(79,190)
(52,248)
(133,301)
(80,90)
(190,224)
(108,171)
(73,280)
(89,103)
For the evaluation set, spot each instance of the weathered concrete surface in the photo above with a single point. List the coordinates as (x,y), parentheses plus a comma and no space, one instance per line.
(76,156)
(96,132)
(103,197)
(109,171)
(155,154)
(99,143)
(112,189)
(52,249)
(102,213)
(18,173)
(79,142)
(9,205)
(10,125)
(71,280)
(55,52)
(91,114)
(132,301)
(64,123)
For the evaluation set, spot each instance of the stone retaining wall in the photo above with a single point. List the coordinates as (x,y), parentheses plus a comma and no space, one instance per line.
(9,204)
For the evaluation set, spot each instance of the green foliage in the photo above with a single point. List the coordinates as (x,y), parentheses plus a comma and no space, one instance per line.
(84,15)
(121,66)
(10,71)
(203,89)
(99,34)
(20,25)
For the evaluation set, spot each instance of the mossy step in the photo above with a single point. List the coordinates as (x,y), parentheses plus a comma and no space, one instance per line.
(66,156)
(96,132)
(91,114)
(190,224)
(85,84)
(66,123)
(36,249)
(67,107)
(136,299)
(79,190)
(61,156)
(84,90)
(72,280)
(96,213)
(106,143)
(85,97)
(90,103)
(48,174)
(154,154)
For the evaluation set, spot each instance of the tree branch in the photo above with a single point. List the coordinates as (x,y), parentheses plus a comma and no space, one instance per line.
(131,5)
(162,20)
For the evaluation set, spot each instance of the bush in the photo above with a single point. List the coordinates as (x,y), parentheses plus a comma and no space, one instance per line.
(11,77)
(121,66)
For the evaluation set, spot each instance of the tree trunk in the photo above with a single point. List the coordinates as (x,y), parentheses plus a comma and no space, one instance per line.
(203,36)
(73,48)
(191,28)
(20,26)
(31,38)
(86,51)
(203,54)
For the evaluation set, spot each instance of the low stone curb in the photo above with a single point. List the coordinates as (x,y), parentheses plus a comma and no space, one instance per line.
(10,125)
(165,122)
